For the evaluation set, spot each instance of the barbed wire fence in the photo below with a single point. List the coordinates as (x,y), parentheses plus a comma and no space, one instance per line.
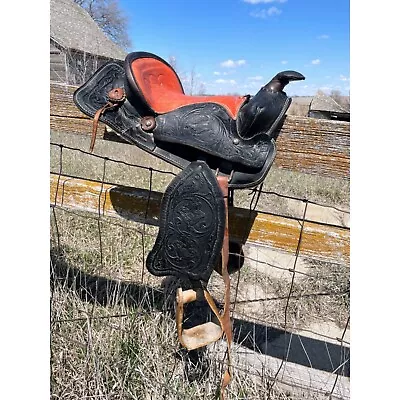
(278,303)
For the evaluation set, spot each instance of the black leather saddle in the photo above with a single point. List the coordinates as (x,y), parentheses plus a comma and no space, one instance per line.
(221,143)
(143,101)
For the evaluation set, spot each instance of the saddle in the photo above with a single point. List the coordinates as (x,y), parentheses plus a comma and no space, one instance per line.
(221,143)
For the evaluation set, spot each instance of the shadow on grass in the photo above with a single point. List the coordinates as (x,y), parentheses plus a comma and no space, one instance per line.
(262,339)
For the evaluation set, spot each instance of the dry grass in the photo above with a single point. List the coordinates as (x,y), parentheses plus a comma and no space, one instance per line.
(111,337)
(321,190)
(110,340)
(134,356)
(320,295)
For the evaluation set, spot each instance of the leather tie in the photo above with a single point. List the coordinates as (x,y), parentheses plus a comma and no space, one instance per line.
(115,97)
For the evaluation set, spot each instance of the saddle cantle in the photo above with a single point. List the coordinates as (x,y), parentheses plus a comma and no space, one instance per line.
(144,102)
(221,143)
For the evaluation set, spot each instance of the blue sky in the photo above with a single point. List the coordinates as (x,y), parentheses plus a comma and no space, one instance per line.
(238,45)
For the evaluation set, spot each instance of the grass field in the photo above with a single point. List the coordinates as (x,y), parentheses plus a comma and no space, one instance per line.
(111,334)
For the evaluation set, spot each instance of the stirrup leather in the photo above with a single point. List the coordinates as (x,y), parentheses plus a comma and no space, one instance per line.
(209,332)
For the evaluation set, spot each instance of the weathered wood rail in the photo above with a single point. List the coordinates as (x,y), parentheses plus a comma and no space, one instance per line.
(323,241)
(309,145)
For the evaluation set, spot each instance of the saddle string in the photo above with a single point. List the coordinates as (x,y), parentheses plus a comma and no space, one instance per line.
(96,123)
(115,97)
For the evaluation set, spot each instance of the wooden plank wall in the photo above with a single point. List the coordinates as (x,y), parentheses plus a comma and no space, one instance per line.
(309,145)
(57,64)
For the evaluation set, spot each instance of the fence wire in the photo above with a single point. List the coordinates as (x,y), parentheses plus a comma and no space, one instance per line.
(290,315)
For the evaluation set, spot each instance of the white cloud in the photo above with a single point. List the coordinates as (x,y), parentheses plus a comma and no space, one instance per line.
(249,86)
(266,13)
(218,73)
(255,78)
(284,62)
(273,11)
(330,86)
(228,64)
(264,1)
(344,78)
(326,88)
(232,64)
(316,61)
(231,81)
(323,36)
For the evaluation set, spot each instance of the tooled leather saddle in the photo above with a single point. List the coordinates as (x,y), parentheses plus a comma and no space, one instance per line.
(221,143)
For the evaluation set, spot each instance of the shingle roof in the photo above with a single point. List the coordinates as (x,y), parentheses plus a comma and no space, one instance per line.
(73,28)
(322,102)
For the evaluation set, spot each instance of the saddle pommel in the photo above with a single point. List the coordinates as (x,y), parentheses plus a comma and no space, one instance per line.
(263,113)
(280,80)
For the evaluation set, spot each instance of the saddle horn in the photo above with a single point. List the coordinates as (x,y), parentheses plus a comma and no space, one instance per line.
(280,80)
(263,112)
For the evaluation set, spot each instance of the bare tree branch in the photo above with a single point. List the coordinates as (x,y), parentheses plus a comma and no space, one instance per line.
(109,17)
(190,81)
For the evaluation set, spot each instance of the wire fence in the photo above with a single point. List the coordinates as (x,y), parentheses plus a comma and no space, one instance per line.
(112,326)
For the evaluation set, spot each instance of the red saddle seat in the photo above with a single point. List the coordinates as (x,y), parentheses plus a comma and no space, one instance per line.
(163,90)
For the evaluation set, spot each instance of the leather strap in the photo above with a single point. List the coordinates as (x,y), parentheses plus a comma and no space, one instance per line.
(115,97)
(209,332)
(96,122)
(225,318)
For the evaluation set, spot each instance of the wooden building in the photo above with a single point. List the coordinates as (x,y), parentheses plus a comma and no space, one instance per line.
(78,47)
(325,107)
